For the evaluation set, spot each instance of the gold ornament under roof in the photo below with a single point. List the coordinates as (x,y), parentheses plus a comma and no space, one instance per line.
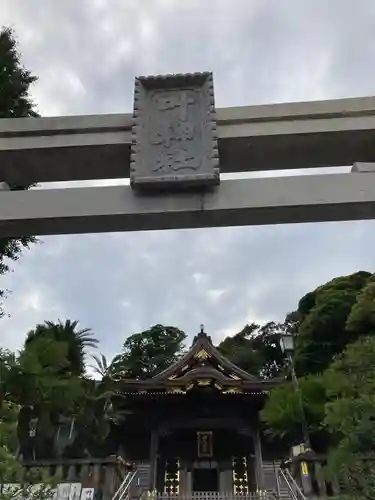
(201,355)
(203,382)
(233,390)
(176,390)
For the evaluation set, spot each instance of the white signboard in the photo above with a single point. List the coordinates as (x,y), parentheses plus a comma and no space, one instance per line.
(87,494)
(63,491)
(75,491)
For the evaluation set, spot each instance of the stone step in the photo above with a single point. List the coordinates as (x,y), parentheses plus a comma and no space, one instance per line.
(268,470)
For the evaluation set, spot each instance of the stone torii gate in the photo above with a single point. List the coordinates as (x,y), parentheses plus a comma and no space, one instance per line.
(173,148)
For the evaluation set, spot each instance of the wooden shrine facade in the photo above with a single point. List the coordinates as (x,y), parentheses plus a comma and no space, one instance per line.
(196,424)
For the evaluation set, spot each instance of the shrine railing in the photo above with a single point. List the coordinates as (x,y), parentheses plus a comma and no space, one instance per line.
(124,491)
(211,495)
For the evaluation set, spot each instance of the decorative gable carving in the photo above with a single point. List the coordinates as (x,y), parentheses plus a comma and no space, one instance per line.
(202,368)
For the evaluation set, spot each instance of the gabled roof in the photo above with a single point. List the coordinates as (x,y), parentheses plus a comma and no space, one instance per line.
(204,353)
(201,367)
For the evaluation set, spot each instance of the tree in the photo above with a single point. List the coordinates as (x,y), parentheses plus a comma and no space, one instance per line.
(323,331)
(350,417)
(77,341)
(15,102)
(96,415)
(328,320)
(144,355)
(147,353)
(7,362)
(42,384)
(282,412)
(15,80)
(105,369)
(240,349)
(361,320)
(11,470)
(257,349)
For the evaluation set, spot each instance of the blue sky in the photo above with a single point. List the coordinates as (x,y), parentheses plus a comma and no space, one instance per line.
(86,54)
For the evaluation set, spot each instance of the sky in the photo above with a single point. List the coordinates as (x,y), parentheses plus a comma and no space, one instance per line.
(86,54)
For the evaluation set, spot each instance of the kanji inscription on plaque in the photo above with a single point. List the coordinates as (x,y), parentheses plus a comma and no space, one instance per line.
(174,132)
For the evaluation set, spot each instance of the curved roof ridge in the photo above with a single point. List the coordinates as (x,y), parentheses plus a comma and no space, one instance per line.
(202,341)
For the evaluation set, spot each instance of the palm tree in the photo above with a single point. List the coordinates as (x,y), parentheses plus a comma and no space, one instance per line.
(105,369)
(78,341)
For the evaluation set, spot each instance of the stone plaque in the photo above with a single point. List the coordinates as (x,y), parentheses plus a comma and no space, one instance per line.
(174,140)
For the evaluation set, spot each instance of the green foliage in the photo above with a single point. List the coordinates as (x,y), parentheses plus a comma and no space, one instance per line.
(95,416)
(150,352)
(7,362)
(282,412)
(322,331)
(257,349)
(331,319)
(11,470)
(8,425)
(15,80)
(15,102)
(40,381)
(42,368)
(240,350)
(103,368)
(350,417)
(29,490)
(361,320)
(76,341)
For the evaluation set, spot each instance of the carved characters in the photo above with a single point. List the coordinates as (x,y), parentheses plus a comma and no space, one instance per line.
(174,130)
(174,135)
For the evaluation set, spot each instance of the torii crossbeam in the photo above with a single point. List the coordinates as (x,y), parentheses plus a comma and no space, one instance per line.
(251,138)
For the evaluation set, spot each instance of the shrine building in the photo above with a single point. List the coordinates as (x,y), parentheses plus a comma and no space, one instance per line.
(196,425)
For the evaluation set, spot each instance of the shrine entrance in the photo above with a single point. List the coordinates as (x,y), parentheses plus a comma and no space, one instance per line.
(217,460)
(205,478)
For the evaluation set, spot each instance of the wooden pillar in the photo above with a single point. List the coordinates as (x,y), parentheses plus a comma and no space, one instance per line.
(96,474)
(183,478)
(154,441)
(258,460)
(320,478)
(72,473)
(189,480)
(110,484)
(226,479)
